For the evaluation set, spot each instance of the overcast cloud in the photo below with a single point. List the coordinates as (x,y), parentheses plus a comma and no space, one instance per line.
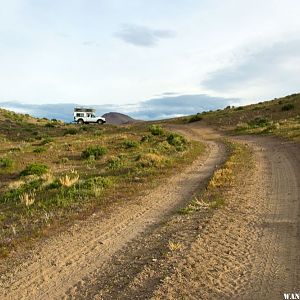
(123,52)
(275,69)
(143,36)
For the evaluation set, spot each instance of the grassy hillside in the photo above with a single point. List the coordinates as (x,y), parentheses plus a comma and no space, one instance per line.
(52,173)
(279,116)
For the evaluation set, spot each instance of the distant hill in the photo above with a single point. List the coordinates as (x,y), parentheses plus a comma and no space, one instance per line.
(116,118)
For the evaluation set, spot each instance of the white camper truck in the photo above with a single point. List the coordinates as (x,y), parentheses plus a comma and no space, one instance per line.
(85,115)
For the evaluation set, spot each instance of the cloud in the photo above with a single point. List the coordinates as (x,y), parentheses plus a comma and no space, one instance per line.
(168,107)
(275,67)
(158,108)
(142,36)
(90,43)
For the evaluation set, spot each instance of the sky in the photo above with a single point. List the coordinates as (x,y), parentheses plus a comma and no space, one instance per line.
(137,52)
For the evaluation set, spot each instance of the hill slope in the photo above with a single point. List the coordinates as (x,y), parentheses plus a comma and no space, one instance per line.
(116,118)
(274,110)
(279,116)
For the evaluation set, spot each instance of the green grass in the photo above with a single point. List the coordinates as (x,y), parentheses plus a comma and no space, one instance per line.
(94,151)
(156,130)
(130,144)
(39,150)
(35,169)
(6,162)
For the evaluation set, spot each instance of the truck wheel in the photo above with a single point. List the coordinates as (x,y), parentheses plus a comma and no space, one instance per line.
(80,121)
(100,122)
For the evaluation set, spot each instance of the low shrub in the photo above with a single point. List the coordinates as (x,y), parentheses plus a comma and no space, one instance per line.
(6,162)
(287,107)
(35,169)
(175,139)
(259,122)
(146,138)
(239,108)
(98,133)
(71,131)
(241,126)
(96,151)
(150,160)
(130,144)
(195,118)
(39,150)
(46,141)
(164,147)
(49,125)
(16,149)
(115,163)
(156,130)
(98,181)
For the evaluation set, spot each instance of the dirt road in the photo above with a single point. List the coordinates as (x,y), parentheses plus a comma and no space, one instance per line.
(251,248)
(248,249)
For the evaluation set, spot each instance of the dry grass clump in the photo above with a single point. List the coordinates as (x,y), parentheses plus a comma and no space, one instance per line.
(151,160)
(196,205)
(47,178)
(15,184)
(69,179)
(173,246)
(220,176)
(27,199)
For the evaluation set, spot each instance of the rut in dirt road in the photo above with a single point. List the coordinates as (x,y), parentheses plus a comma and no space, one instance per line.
(63,262)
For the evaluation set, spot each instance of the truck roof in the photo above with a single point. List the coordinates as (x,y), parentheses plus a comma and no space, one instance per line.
(84,109)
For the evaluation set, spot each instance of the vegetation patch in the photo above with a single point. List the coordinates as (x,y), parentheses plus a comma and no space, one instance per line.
(175,139)
(287,107)
(151,160)
(35,169)
(130,144)
(46,141)
(95,152)
(115,163)
(39,150)
(195,118)
(156,130)
(6,162)
(71,131)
